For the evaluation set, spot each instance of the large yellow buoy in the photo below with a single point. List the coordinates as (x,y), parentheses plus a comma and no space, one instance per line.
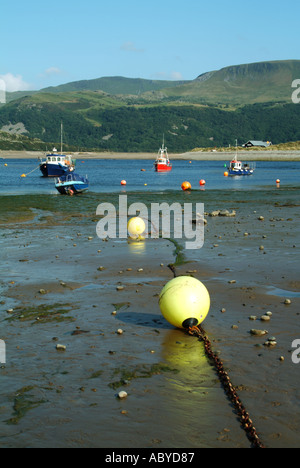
(136,227)
(184,302)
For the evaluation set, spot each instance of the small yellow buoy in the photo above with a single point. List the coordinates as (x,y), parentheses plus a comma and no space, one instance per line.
(136,227)
(23,175)
(226,174)
(5,165)
(184,302)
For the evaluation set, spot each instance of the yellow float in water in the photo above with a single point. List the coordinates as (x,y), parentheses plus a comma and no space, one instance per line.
(136,227)
(184,302)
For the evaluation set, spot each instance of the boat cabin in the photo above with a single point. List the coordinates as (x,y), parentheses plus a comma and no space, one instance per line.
(237,165)
(59,159)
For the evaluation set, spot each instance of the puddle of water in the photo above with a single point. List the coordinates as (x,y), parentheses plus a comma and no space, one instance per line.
(283,293)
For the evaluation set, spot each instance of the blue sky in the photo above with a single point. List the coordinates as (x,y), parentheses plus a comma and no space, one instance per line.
(50,43)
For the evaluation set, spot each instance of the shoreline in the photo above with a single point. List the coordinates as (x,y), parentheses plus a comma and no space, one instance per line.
(252,155)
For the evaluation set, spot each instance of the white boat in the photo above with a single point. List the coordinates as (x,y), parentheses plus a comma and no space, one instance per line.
(57,164)
(237,168)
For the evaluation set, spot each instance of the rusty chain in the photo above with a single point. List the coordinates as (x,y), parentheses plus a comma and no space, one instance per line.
(229,389)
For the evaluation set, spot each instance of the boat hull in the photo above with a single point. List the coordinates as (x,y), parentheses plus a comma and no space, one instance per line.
(53,170)
(71,189)
(163,168)
(241,172)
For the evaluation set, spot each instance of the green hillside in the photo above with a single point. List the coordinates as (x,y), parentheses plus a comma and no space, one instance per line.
(244,102)
(20,143)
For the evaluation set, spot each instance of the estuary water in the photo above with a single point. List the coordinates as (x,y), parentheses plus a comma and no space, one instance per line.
(105,176)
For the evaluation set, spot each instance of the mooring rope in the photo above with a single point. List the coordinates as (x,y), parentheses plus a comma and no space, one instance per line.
(31,171)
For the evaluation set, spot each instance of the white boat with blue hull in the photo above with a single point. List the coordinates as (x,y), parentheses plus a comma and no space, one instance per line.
(57,165)
(237,168)
(71,184)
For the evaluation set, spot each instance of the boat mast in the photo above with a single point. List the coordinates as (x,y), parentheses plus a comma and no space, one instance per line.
(236,153)
(61,138)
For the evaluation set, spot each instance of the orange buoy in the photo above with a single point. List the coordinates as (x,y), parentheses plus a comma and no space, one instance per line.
(202,182)
(278,181)
(226,174)
(123,182)
(186,186)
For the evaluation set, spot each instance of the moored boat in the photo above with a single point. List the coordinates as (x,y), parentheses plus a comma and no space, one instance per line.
(237,168)
(71,184)
(162,163)
(56,164)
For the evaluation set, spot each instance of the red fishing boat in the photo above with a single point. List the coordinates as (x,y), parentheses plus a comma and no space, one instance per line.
(162,163)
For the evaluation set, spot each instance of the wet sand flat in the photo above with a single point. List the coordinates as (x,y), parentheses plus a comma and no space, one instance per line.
(65,286)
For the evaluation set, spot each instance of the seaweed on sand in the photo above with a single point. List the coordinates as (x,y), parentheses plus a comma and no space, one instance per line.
(142,371)
(23,402)
(43,313)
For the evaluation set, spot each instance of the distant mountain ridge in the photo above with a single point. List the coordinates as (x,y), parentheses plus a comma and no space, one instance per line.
(242,84)
(115,85)
(233,85)
(248,102)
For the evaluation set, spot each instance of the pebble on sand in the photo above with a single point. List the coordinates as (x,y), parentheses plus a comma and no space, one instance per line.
(122,395)
(61,347)
(258,332)
(265,318)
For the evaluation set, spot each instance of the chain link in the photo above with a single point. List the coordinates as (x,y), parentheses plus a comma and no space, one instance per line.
(230,390)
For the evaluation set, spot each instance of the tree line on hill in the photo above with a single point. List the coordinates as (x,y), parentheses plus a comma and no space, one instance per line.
(141,129)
